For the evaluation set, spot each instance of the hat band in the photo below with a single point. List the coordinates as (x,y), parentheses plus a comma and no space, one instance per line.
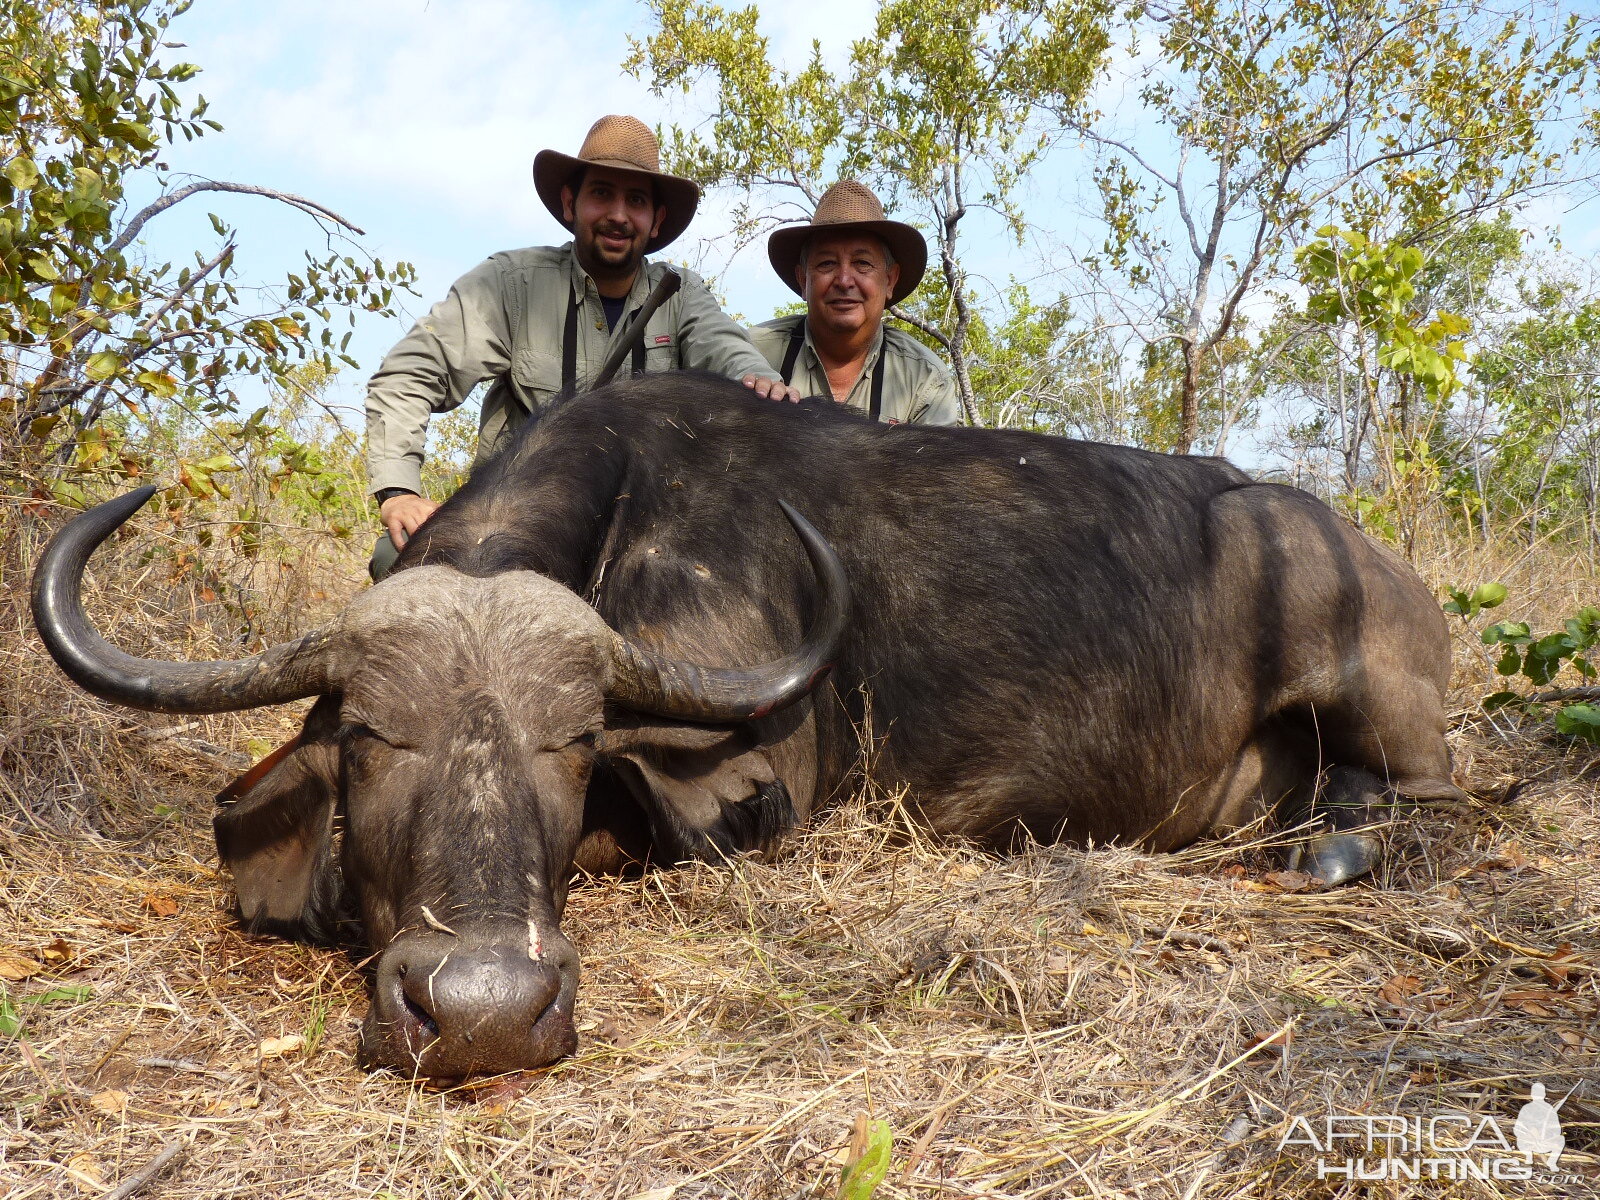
(620,164)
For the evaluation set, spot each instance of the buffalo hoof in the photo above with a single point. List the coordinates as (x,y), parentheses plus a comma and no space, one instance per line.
(1339,857)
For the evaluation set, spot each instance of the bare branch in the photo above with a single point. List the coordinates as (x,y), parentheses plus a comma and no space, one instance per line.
(160,205)
(900,313)
(177,296)
(1117,144)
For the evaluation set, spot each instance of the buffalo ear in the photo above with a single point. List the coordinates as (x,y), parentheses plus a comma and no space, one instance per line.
(275,835)
(708,791)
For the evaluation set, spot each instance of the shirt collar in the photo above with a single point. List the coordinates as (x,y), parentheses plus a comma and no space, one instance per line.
(582,282)
(814,362)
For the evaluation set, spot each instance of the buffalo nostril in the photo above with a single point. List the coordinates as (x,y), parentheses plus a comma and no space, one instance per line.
(421,1016)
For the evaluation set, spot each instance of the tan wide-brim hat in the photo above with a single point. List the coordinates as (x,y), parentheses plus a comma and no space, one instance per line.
(850,207)
(626,144)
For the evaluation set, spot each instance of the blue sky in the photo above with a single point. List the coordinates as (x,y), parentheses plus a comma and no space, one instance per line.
(418,120)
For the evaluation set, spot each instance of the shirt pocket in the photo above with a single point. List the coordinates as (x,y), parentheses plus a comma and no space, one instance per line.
(660,345)
(537,374)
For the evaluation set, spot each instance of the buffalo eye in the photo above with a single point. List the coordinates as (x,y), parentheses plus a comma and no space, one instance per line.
(360,729)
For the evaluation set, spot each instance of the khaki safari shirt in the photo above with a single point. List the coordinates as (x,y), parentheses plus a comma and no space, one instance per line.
(917,390)
(505,320)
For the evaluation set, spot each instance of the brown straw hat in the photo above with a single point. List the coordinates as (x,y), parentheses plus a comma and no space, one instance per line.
(627,144)
(848,207)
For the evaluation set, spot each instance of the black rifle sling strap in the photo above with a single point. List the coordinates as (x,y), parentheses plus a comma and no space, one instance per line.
(638,345)
(791,354)
(569,347)
(875,406)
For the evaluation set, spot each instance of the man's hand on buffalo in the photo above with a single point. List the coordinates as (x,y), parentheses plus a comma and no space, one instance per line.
(771,389)
(402,515)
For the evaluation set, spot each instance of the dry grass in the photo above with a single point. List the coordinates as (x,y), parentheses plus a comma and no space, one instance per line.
(1055,1023)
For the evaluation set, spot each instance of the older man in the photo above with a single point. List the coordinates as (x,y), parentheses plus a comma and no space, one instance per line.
(541,320)
(849,264)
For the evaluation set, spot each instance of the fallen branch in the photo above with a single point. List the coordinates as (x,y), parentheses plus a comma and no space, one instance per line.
(1190,939)
(136,1182)
(193,1068)
(1565,695)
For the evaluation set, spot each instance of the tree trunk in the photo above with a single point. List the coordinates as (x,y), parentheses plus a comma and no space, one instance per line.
(1189,396)
(955,280)
(958,361)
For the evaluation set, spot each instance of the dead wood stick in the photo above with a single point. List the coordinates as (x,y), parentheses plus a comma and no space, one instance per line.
(1565,695)
(194,1068)
(135,1183)
(1187,937)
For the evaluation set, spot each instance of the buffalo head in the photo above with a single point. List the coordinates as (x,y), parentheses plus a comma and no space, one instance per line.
(451,749)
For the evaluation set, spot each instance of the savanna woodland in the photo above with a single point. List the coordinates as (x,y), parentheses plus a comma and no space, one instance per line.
(1323,237)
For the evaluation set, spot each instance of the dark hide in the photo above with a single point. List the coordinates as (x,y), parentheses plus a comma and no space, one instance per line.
(1049,638)
(705,791)
(276,838)
(1076,640)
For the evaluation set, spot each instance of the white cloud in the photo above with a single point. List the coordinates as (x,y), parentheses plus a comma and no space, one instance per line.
(443,104)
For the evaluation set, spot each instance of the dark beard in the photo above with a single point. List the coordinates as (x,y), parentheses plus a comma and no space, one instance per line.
(601,270)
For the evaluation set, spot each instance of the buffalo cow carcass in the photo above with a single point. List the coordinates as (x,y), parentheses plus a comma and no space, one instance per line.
(606,648)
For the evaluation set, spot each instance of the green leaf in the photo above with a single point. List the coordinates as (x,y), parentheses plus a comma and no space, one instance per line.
(10,1020)
(157,383)
(69,494)
(1510,662)
(1540,668)
(1500,699)
(23,173)
(1582,632)
(102,365)
(1580,721)
(862,1177)
(197,483)
(60,995)
(1489,595)
(1509,632)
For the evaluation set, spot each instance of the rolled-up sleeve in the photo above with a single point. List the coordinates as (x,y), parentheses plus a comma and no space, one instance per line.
(710,339)
(464,339)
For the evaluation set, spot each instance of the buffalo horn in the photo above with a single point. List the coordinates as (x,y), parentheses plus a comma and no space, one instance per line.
(284,672)
(647,682)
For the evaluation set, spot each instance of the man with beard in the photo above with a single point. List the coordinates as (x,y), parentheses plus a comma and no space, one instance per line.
(849,264)
(538,321)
